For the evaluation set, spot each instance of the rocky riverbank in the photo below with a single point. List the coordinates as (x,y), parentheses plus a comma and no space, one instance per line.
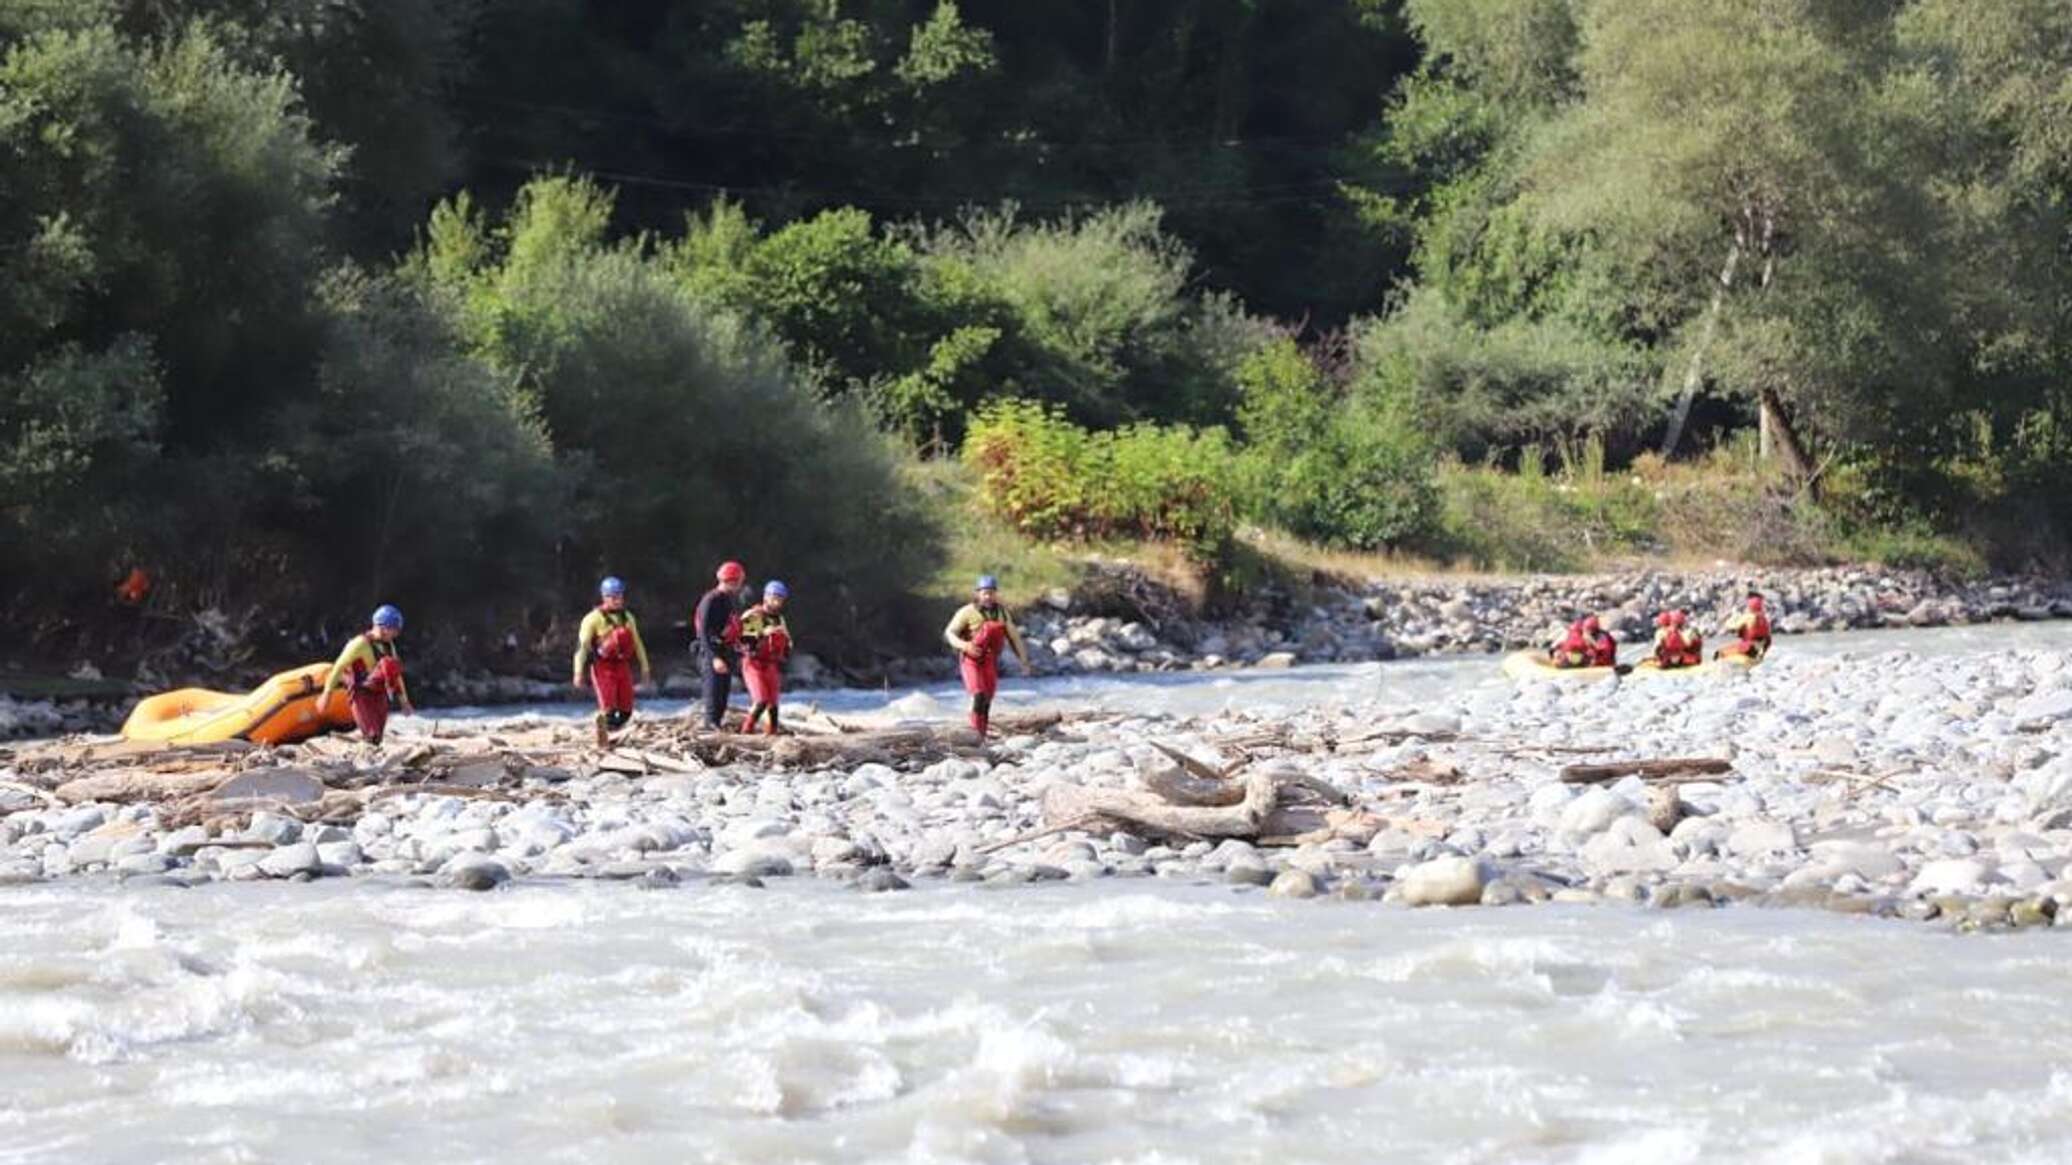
(1390,619)
(1339,623)
(1883,784)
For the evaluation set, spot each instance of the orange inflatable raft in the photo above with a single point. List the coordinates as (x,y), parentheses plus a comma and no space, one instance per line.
(283,709)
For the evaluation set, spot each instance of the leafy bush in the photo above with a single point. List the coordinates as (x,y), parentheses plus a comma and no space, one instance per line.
(1348,478)
(1475,389)
(1097,314)
(1055,480)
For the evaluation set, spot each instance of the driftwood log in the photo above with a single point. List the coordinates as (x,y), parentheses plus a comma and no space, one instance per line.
(1143,812)
(1673,771)
(1195,801)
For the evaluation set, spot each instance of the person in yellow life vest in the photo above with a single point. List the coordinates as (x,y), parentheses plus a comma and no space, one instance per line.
(765,645)
(607,644)
(372,675)
(977,632)
(1751,629)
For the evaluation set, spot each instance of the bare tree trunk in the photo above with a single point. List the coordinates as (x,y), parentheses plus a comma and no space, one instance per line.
(1784,439)
(1695,374)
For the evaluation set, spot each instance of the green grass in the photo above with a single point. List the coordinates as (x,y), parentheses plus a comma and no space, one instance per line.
(981,544)
(1560,513)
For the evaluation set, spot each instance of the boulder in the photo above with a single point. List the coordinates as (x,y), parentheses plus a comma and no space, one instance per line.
(1594,811)
(1294,884)
(476,871)
(753,862)
(1447,881)
(289,860)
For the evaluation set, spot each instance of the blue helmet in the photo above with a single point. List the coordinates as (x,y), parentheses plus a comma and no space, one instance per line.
(387,616)
(987,582)
(611,588)
(776,590)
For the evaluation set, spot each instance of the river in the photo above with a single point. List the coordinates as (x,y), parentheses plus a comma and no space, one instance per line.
(1140,1021)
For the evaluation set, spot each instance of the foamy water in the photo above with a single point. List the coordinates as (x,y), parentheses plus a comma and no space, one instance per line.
(1126,1023)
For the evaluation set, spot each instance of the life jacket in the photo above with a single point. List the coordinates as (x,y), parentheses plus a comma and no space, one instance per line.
(1676,647)
(991,635)
(1603,650)
(768,636)
(616,643)
(1756,630)
(387,671)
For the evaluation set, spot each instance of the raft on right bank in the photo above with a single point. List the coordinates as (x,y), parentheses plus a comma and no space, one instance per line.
(1534,665)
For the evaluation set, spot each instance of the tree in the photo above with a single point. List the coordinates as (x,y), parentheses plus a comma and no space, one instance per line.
(679,429)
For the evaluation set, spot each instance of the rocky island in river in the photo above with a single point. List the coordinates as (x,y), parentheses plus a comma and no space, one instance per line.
(1917,783)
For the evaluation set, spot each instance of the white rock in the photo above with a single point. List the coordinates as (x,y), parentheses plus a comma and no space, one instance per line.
(1950,876)
(1447,881)
(289,860)
(1761,836)
(2045,707)
(1630,846)
(1594,812)
(1867,861)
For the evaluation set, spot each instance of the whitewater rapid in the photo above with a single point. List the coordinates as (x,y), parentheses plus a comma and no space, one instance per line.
(1128,1023)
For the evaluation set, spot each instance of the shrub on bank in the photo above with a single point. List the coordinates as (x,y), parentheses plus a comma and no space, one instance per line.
(1055,480)
(1323,469)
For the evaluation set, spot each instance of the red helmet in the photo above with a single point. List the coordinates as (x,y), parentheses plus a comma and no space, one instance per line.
(1678,618)
(1664,619)
(1590,623)
(732,572)
(1755,602)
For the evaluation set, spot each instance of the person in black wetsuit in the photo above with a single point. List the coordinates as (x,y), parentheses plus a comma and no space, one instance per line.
(716,626)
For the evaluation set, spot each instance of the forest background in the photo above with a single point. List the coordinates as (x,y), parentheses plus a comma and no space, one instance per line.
(309,304)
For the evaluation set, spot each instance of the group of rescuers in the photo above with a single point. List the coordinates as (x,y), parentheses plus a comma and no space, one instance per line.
(728,638)
(1677,643)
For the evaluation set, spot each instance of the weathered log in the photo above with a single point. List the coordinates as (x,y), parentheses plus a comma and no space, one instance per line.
(1199,769)
(1182,787)
(1310,824)
(125,785)
(29,791)
(1152,816)
(1680,769)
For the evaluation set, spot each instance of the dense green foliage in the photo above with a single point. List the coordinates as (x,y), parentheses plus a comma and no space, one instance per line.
(308,301)
(1323,467)
(1854,213)
(1055,480)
